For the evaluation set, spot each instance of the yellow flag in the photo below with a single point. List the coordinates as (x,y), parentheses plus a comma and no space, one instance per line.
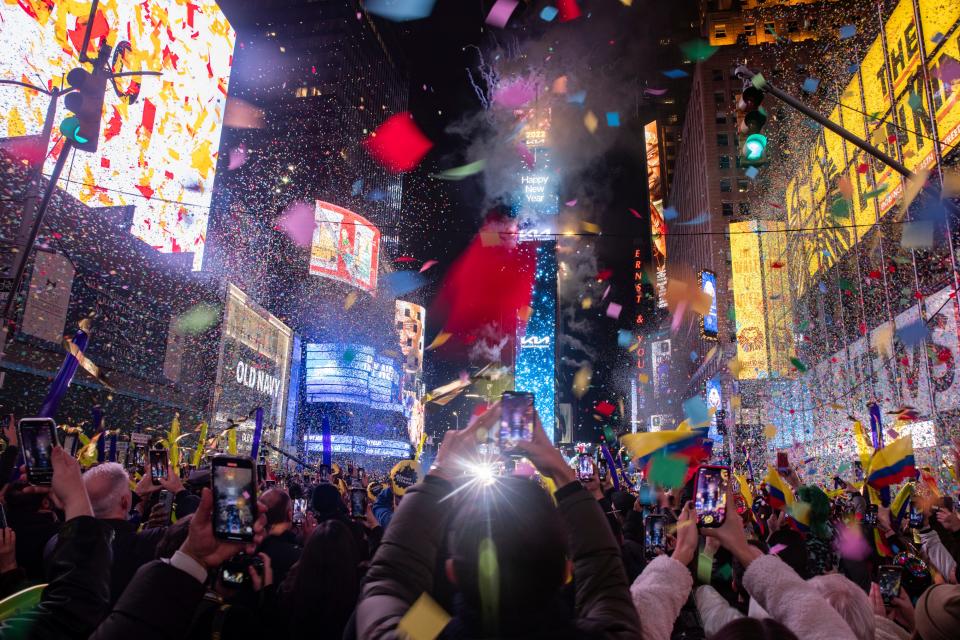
(232,441)
(173,438)
(201,445)
(864,446)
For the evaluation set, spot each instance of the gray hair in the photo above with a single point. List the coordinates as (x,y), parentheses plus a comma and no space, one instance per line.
(106,484)
(849,600)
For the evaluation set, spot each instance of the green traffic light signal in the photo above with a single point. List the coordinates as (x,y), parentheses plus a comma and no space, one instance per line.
(70,128)
(755,148)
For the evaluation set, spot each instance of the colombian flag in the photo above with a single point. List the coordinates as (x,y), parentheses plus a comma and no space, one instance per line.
(898,508)
(780,495)
(880,544)
(926,476)
(892,464)
(690,444)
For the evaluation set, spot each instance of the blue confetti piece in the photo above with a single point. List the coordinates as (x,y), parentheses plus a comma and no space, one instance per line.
(913,333)
(613,119)
(853,67)
(693,356)
(937,38)
(377,195)
(673,74)
(399,283)
(548,13)
(810,85)
(400,10)
(822,287)
(577,98)
(624,338)
(696,410)
(752,172)
(848,31)
(670,214)
(357,187)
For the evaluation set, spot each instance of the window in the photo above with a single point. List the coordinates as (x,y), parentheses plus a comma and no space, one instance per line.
(719,99)
(717,75)
(742,185)
(719,31)
(301,92)
(727,208)
(750,29)
(721,117)
(724,162)
(723,140)
(744,208)
(725,185)
(770,28)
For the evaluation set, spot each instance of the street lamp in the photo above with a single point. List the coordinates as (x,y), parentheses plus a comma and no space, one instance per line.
(457,416)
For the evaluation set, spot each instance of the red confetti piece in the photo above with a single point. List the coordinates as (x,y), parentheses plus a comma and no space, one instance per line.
(404,259)
(862,168)
(776,265)
(604,408)
(398,144)
(604,274)
(569,10)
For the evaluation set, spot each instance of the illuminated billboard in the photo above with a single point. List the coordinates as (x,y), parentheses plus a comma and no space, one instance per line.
(709,323)
(160,136)
(535,369)
(254,367)
(358,445)
(352,373)
(885,102)
(410,319)
(658,225)
(345,247)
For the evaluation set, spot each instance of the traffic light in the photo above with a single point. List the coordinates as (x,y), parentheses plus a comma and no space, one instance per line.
(85,102)
(752,118)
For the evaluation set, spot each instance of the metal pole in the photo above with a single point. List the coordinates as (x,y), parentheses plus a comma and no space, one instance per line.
(745,73)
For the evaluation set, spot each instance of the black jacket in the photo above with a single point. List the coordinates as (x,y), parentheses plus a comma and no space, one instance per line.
(283,551)
(404,565)
(78,592)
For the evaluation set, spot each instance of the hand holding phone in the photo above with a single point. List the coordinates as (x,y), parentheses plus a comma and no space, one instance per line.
(516,419)
(889,577)
(159,464)
(234,485)
(584,467)
(870,516)
(710,495)
(654,538)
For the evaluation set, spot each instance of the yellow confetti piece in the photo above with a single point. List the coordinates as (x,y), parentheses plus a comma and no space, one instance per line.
(733,364)
(644,378)
(589,227)
(951,184)
(586,303)
(590,121)
(439,341)
(349,301)
(581,381)
(770,431)
(490,238)
(424,620)
(914,185)
(626,3)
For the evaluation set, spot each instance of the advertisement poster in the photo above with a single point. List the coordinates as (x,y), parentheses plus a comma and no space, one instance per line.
(345,247)
(710,323)
(658,226)
(159,135)
(48,300)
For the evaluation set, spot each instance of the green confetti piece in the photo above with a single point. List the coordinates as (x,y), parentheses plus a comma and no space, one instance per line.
(798,364)
(668,471)
(915,102)
(845,285)
(349,355)
(610,436)
(459,173)
(704,568)
(876,192)
(725,571)
(488,570)
(803,325)
(840,208)
(698,50)
(198,319)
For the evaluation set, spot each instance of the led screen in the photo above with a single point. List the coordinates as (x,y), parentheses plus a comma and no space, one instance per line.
(345,247)
(159,136)
(354,374)
(658,224)
(710,321)
(358,445)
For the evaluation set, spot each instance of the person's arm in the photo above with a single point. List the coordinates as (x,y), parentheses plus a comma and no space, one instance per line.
(660,591)
(383,507)
(159,602)
(715,611)
(939,555)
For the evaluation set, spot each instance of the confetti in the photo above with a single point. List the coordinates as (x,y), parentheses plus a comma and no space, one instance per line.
(667,471)
(848,31)
(581,381)
(590,121)
(674,74)
(613,119)
(398,144)
(696,410)
(770,431)
(400,10)
(698,50)
(669,213)
(796,362)
(427,265)
(425,620)
(240,114)
(613,310)
(548,13)
(198,319)
(440,340)
(913,333)
(459,173)
(751,172)
(350,300)
(400,283)
(569,10)
(500,13)
(917,235)
(655,92)
(298,222)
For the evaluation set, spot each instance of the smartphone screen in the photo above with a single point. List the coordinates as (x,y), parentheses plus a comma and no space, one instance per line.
(602,469)
(653,532)
(858,470)
(516,419)
(233,574)
(324,473)
(37,436)
(262,472)
(299,510)
(870,516)
(646,495)
(234,498)
(710,495)
(783,463)
(888,577)
(158,465)
(3,517)
(358,503)
(916,516)
(70,444)
(584,467)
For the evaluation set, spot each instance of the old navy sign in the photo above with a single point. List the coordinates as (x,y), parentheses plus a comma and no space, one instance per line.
(250,376)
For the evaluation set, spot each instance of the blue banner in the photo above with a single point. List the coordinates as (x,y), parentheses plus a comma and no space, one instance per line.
(58,389)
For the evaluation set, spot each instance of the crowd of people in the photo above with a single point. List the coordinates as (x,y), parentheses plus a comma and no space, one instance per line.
(463,553)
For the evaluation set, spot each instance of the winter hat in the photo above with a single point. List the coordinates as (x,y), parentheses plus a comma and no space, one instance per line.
(937,614)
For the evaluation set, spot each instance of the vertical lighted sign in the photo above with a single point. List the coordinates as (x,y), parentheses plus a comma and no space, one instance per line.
(658,226)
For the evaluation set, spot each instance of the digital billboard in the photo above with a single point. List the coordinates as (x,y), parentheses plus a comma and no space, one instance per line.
(709,323)
(358,445)
(658,225)
(352,373)
(159,136)
(345,247)
(254,366)
(535,370)
(410,319)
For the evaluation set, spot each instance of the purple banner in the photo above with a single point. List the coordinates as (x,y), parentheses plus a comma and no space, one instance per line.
(98,429)
(876,425)
(258,429)
(64,377)
(327,443)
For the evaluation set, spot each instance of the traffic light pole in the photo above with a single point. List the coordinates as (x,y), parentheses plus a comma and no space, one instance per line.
(761,83)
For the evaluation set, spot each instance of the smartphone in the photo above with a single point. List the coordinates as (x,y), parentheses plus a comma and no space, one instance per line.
(584,467)
(261,471)
(235,571)
(888,577)
(324,473)
(70,444)
(3,517)
(158,465)
(915,516)
(299,510)
(234,484)
(516,419)
(870,516)
(710,495)
(602,469)
(653,533)
(358,503)
(858,470)
(646,495)
(783,463)
(37,437)
(947,503)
